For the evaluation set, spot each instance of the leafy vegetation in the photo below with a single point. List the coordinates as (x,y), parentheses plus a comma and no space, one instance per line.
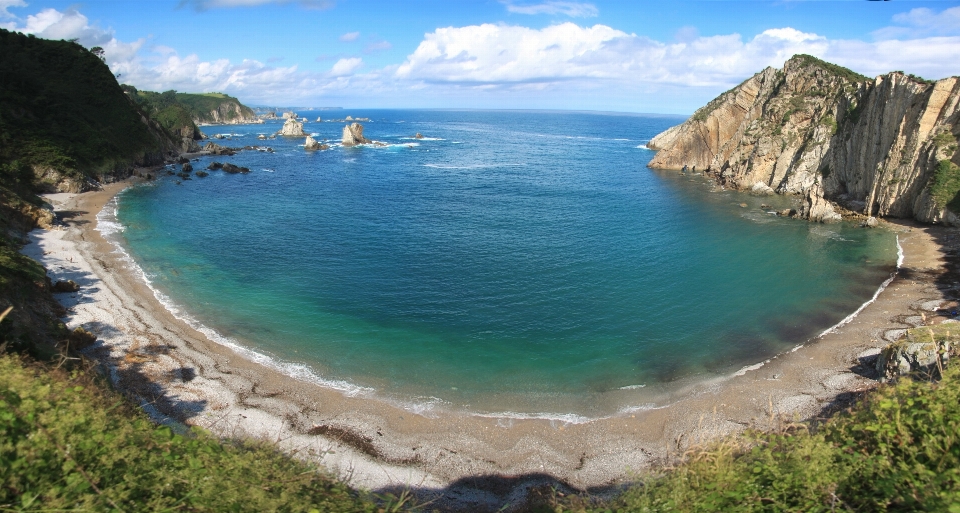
(897,450)
(177,110)
(60,106)
(830,123)
(945,186)
(839,71)
(68,443)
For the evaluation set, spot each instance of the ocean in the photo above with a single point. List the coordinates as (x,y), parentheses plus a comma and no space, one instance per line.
(509,263)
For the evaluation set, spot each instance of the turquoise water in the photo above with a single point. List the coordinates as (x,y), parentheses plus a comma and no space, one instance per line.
(522,262)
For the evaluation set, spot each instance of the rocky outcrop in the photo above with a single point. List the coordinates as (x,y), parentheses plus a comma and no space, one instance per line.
(905,356)
(311,144)
(222,110)
(292,128)
(353,135)
(883,147)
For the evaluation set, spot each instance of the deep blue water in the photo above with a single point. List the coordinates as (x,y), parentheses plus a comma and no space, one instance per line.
(510,261)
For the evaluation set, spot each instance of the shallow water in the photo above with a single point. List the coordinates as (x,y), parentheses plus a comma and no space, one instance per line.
(521,262)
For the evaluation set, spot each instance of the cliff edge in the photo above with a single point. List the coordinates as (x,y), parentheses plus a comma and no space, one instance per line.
(882,147)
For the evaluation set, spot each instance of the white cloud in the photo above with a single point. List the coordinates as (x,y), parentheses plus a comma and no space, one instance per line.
(921,22)
(512,55)
(350,36)
(554,7)
(7,4)
(345,66)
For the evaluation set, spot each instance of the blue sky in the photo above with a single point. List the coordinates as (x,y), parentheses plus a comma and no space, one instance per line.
(558,54)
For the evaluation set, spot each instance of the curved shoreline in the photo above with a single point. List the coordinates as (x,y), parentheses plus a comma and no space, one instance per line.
(181,376)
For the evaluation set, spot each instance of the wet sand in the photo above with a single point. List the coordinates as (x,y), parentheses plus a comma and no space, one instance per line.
(468,462)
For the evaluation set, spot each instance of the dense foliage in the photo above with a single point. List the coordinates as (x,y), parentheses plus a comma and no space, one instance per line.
(60,106)
(176,110)
(945,186)
(898,449)
(68,443)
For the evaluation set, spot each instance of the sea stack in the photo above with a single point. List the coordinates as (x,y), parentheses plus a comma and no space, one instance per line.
(311,144)
(292,128)
(353,135)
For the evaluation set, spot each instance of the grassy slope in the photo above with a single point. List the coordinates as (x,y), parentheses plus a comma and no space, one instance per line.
(69,443)
(897,450)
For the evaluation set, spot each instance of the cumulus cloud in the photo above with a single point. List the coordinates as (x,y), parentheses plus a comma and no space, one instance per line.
(509,55)
(555,7)
(346,66)
(350,36)
(203,5)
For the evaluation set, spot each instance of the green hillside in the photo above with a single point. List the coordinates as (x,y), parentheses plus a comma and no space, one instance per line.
(60,106)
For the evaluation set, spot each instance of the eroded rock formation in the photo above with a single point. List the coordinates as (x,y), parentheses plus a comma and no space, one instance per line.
(353,135)
(292,128)
(886,146)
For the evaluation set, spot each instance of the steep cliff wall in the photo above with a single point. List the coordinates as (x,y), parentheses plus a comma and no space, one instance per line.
(217,109)
(883,147)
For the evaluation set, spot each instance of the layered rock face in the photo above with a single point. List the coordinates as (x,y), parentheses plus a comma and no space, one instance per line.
(228,113)
(882,147)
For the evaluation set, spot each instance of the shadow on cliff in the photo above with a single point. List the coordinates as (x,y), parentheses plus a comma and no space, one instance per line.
(527,493)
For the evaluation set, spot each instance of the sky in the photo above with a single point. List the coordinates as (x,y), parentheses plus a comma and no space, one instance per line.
(622,56)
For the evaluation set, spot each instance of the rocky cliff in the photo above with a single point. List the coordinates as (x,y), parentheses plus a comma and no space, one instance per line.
(227,111)
(883,147)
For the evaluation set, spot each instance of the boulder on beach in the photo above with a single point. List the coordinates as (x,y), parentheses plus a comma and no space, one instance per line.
(292,128)
(65,286)
(761,189)
(353,135)
(870,222)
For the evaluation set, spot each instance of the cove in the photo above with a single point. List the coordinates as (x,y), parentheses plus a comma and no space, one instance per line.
(521,262)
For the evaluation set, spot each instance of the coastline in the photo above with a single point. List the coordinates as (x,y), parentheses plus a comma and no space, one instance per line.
(180,376)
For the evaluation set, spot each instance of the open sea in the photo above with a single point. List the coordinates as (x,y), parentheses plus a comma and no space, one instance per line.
(508,263)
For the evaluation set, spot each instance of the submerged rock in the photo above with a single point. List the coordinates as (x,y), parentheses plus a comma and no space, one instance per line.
(232,169)
(418,136)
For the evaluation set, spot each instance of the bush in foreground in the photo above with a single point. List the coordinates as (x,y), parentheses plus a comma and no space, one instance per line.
(897,450)
(68,443)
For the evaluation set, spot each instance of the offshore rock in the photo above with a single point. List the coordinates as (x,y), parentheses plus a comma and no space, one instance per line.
(814,124)
(292,128)
(353,135)
(311,144)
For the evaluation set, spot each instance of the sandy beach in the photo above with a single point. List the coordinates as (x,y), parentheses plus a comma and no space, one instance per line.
(181,377)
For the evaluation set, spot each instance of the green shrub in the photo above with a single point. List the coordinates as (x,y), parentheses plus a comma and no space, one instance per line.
(68,444)
(898,450)
(945,185)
